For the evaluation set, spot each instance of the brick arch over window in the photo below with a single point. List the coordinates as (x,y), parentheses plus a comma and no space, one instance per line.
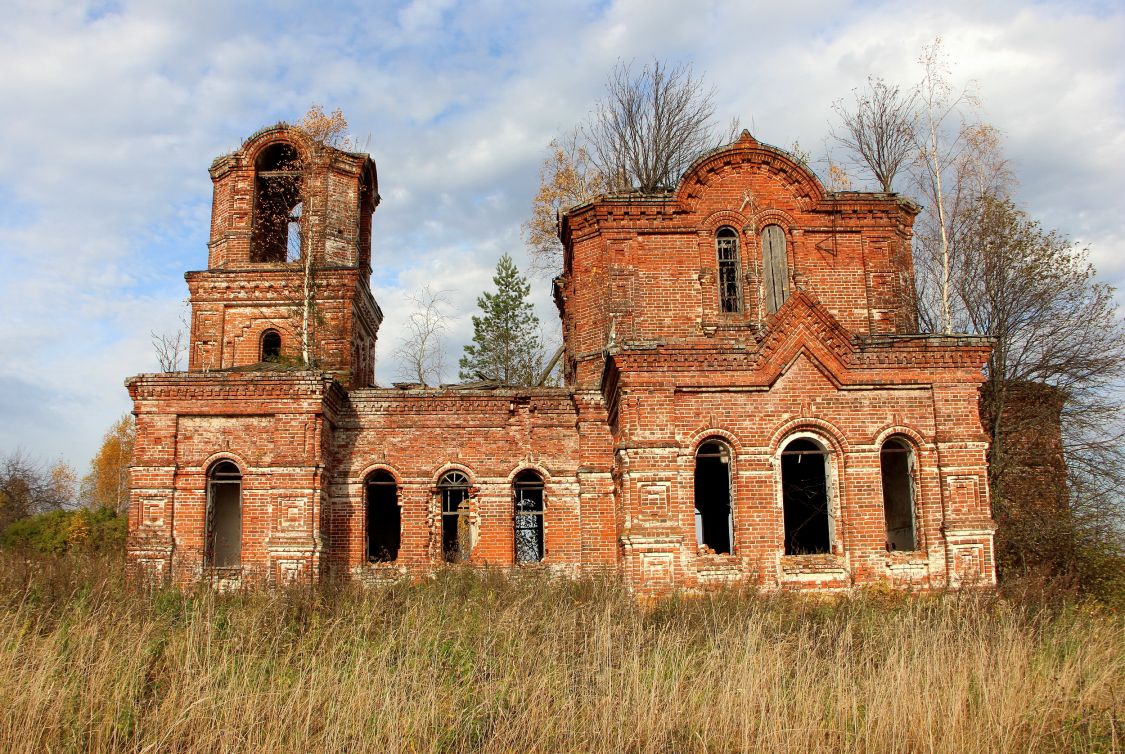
(729,264)
(454,491)
(383,516)
(773,216)
(722,217)
(710,432)
(824,431)
(223,524)
(898,464)
(807,495)
(713,495)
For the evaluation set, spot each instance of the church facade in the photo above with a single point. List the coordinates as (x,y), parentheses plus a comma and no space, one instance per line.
(746,398)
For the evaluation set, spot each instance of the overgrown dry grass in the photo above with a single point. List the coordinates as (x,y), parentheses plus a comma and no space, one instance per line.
(474,662)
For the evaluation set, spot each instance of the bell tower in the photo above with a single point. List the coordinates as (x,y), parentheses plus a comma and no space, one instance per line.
(288,273)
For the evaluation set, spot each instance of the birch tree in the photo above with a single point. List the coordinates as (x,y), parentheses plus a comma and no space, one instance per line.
(938,141)
(421,352)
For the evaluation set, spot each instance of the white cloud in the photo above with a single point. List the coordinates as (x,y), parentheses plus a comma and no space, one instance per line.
(115,112)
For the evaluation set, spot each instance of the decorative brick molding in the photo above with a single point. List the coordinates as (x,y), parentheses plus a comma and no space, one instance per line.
(654,368)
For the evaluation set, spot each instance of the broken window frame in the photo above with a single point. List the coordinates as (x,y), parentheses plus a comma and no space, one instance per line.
(222,475)
(269,351)
(383,538)
(822,514)
(278,193)
(729,268)
(528,499)
(900,447)
(453,498)
(710,524)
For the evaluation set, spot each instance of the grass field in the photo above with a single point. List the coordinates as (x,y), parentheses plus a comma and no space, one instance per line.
(472,661)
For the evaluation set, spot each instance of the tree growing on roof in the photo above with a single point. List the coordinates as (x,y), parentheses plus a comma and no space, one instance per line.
(651,125)
(506,346)
(647,129)
(567,178)
(877,131)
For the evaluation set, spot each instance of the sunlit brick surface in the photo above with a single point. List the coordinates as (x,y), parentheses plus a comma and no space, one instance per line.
(653,367)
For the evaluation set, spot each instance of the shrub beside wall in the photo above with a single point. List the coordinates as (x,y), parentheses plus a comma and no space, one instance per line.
(59,532)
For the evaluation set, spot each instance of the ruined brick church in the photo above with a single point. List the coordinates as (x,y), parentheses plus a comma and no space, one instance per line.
(746,398)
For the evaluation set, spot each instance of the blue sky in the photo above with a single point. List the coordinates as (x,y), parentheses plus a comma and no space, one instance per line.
(115,110)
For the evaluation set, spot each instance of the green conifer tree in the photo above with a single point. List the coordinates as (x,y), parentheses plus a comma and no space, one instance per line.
(506,346)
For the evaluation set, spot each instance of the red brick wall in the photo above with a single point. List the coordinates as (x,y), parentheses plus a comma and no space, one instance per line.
(648,264)
(237,299)
(656,369)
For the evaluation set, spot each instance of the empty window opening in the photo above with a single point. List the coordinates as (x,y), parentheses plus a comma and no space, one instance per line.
(271,345)
(293,233)
(456,536)
(775,268)
(224,516)
(277,204)
(384,519)
(896,460)
(529,517)
(714,520)
(726,248)
(804,489)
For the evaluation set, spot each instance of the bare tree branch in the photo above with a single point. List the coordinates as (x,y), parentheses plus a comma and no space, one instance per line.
(878,130)
(651,125)
(421,352)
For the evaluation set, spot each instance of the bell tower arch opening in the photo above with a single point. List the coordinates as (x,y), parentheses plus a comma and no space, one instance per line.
(278,206)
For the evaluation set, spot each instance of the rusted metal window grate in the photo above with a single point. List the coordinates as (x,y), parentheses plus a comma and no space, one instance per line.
(529,518)
(726,248)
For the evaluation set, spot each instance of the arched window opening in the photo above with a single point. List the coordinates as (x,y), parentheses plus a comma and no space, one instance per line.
(456,535)
(271,345)
(384,519)
(293,234)
(896,461)
(528,489)
(277,204)
(775,268)
(726,249)
(804,490)
(714,519)
(224,516)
